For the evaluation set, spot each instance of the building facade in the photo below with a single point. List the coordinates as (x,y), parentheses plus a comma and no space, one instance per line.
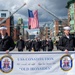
(56,28)
(71,15)
(9,23)
(41,32)
(47,30)
(16,34)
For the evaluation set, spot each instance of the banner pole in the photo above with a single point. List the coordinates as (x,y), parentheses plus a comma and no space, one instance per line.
(52,14)
(12,13)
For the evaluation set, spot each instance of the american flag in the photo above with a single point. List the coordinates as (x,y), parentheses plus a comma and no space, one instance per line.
(33,19)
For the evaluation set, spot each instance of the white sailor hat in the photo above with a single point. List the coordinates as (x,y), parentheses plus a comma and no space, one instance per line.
(66,28)
(3,28)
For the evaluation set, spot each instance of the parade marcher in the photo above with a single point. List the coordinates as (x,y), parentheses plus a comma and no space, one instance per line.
(66,42)
(50,44)
(56,43)
(36,45)
(47,44)
(44,44)
(29,45)
(6,42)
(20,44)
(39,44)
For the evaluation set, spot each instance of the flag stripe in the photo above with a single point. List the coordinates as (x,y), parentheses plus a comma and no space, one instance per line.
(33,19)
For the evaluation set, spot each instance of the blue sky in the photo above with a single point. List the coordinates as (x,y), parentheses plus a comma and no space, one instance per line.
(55,6)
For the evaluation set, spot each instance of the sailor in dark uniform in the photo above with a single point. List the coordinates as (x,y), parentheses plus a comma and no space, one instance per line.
(20,44)
(6,42)
(50,44)
(36,44)
(66,42)
(44,44)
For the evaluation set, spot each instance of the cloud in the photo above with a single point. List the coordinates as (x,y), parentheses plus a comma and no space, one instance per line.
(55,6)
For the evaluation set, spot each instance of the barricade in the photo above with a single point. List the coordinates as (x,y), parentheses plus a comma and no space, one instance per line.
(37,63)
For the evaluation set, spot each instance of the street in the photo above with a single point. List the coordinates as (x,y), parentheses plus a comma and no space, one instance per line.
(41,50)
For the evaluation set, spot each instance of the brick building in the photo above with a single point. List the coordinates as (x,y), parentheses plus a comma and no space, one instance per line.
(58,27)
(9,23)
(16,34)
(45,31)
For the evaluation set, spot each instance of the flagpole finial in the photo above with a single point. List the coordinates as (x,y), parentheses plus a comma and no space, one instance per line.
(39,5)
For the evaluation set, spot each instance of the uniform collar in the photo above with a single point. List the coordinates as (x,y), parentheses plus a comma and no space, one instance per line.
(69,36)
(5,37)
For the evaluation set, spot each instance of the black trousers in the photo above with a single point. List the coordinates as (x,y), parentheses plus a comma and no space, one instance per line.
(20,49)
(44,48)
(49,49)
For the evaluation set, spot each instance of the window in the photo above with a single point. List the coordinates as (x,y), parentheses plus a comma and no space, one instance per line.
(60,28)
(48,28)
(3,15)
(48,33)
(60,22)
(72,27)
(71,5)
(72,16)
(60,34)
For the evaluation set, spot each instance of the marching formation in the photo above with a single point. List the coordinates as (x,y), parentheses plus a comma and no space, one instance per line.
(35,45)
(66,42)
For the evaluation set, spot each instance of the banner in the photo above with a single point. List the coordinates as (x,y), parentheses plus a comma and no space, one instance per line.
(37,63)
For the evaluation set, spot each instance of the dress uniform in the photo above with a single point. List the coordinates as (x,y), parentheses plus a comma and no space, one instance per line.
(6,42)
(44,44)
(50,44)
(20,44)
(66,42)
(36,45)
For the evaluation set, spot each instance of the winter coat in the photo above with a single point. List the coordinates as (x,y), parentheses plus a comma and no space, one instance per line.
(6,43)
(20,44)
(66,43)
(50,44)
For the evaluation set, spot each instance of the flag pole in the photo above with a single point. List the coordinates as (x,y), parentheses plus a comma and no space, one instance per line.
(52,14)
(12,13)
